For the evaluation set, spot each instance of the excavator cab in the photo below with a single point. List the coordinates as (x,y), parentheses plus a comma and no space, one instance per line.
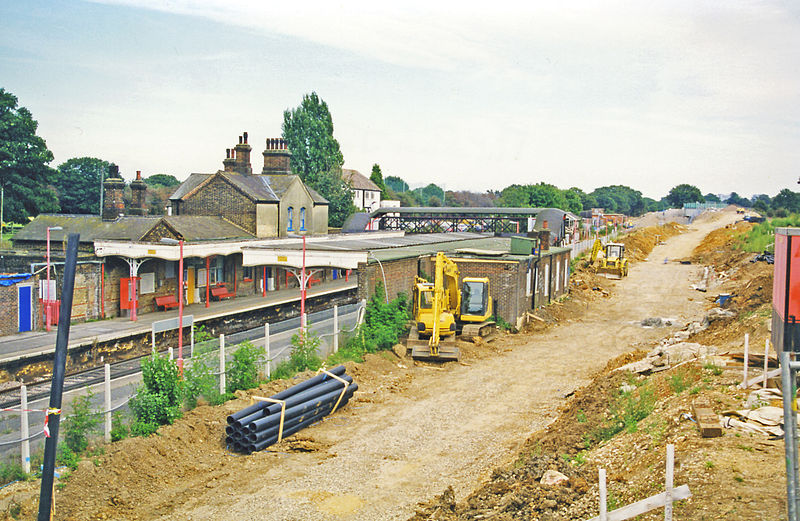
(476,308)
(614,265)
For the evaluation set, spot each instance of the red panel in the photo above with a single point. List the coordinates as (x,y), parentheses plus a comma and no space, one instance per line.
(794,275)
(779,278)
(125,301)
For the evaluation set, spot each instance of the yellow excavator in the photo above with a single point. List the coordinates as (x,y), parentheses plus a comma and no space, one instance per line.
(611,260)
(442,308)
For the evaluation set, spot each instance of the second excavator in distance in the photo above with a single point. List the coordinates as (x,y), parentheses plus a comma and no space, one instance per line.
(443,308)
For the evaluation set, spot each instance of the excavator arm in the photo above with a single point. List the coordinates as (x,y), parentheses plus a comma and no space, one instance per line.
(447,296)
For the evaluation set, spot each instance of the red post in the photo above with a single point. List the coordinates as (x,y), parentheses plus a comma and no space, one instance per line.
(133,295)
(180,310)
(208,278)
(264,283)
(103,290)
(303,289)
(47,296)
(234,276)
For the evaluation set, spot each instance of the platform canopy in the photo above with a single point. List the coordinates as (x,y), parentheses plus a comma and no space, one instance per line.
(293,258)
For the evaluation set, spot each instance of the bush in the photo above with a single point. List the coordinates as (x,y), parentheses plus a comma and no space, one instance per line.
(383,325)
(625,413)
(66,457)
(243,371)
(199,381)
(11,471)
(159,401)
(80,423)
(139,428)
(119,429)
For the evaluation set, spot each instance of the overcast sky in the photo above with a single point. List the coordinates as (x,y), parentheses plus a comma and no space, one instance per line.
(470,95)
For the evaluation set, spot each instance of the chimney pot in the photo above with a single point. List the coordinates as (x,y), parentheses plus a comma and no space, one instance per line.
(138,175)
(240,140)
(244,134)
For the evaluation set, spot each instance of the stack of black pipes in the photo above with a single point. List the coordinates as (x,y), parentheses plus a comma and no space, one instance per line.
(258,426)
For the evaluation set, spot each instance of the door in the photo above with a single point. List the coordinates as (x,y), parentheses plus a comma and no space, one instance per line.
(25,308)
(190,286)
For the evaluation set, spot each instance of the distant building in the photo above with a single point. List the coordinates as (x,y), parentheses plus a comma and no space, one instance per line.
(366,194)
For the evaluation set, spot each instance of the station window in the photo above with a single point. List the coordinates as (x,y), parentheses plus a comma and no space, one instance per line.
(289,216)
(302,219)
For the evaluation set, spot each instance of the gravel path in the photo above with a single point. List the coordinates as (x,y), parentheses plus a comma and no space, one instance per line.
(452,427)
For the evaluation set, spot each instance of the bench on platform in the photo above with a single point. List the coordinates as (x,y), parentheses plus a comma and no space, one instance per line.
(167,302)
(221,292)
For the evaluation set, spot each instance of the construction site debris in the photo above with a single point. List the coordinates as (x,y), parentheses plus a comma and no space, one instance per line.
(657,322)
(553,478)
(707,421)
(666,355)
(767,257)
(767,420)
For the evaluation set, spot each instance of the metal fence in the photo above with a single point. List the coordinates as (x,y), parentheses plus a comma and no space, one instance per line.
(23,425)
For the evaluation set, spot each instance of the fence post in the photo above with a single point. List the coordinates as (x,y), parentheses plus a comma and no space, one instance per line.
(766,360)
(169,352)
(668,484)
(107,392)
(266,348)
(25,448)
(191,336)
(746,359)
(221,364)
(602,490)
(335,328)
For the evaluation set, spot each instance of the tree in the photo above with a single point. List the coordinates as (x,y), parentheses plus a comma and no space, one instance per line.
(24,158)
(316,156)
(738,200)
(684,193)
(761,203)
(377,177)
(165,180)
(787,200)
(619,199)
(78,182)
(712,198)
(396,184)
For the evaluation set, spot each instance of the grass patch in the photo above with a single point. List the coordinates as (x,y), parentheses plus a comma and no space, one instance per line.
(761,237)
(679,381)
(625,413)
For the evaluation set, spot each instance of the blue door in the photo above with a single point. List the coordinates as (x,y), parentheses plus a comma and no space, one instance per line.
(25,307)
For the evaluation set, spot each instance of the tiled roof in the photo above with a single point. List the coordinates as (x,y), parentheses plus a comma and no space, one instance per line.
(190,184)
(90,227)
(256,187)
(259,188)
(358,181)
(205,228)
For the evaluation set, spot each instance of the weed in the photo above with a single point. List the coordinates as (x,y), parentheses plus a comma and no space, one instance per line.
(66,457)
(679,381)
(580,416)
(625,413)
(710,465)
(200,334)
(694,390)
(612,501)
(14,509)
(199,381)
(745,447)
(11,471)
(119,429)
(502,324)
(713,368)
(738,479)
(80,423)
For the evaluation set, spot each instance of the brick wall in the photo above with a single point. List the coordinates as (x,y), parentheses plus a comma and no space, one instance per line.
(220,198)
(399,273)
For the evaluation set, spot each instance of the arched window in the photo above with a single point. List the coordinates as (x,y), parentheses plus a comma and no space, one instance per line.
(289,212)
(302,219)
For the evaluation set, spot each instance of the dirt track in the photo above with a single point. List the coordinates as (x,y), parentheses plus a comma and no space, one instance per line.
(452,426)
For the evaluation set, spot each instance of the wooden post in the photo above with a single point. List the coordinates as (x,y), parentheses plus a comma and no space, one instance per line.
(107,393)
(266,349)
(669,482)
(602,490)
(335,328)
(221,364)
(766,362)
(746,358)
(25,447)
(169,351)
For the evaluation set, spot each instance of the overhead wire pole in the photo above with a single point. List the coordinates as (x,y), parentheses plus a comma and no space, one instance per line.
(53,417)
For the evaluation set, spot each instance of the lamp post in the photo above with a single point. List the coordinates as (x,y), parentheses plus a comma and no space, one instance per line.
(302,284)
(48,303)
(167,240)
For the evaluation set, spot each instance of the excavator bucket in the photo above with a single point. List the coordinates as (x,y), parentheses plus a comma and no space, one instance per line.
(421,350)
(610,273)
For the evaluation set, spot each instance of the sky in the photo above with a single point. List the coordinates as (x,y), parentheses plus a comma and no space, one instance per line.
(469,95)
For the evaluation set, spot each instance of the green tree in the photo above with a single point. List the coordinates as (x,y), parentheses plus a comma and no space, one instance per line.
(737,199)
(78,182)
(619,199)
(786,200)
(684,193)
(24,158)
(165,180)
(712,198)
(377,177)
(395,184)
(761,203)
(316,157)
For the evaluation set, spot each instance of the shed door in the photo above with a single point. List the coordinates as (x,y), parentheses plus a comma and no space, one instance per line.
(25,308)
